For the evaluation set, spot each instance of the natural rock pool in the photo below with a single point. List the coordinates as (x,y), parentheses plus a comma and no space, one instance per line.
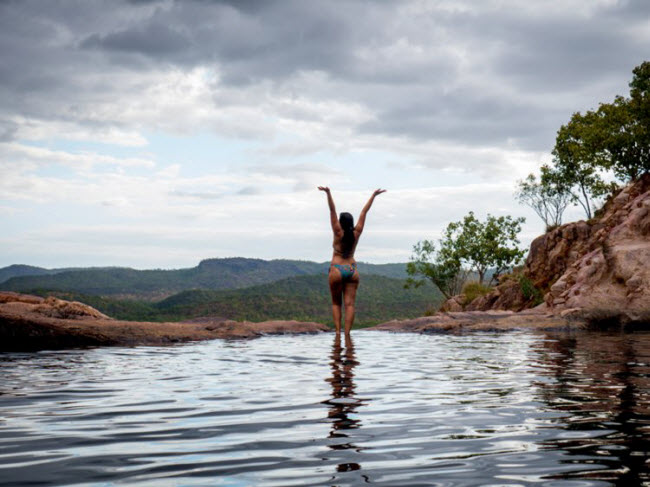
(516,408)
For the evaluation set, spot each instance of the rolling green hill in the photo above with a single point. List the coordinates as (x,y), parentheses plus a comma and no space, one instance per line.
(304,298)
(213,274)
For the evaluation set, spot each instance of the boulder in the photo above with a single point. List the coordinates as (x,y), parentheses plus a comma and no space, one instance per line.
(59,308)
(453,304)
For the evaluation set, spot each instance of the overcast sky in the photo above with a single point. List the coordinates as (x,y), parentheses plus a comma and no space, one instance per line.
(158,133)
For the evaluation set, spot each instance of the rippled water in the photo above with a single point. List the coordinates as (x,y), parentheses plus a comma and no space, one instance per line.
(385,409)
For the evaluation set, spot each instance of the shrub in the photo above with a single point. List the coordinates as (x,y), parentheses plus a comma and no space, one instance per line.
(473,290)
(430,311)
(529,291)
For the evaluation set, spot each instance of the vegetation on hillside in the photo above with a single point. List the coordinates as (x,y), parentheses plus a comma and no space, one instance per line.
(303,298)
(214,274)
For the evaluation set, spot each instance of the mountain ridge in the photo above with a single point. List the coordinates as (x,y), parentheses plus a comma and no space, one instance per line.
(302,298)
(156,284)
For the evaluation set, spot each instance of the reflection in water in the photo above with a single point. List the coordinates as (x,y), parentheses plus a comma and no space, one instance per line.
(602,385)
(343,404)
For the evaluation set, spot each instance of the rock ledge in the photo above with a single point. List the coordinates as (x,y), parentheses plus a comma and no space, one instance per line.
(35,323)
(471,321)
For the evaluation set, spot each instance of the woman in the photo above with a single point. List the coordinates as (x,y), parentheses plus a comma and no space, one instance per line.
(343,274)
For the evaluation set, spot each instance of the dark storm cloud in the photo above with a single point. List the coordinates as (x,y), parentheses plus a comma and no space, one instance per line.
(250,40)
(562,53)
(631,9)
(462,72)
(153,40)
(479,119)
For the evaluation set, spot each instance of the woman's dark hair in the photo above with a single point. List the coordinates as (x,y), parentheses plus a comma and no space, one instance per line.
(347,243)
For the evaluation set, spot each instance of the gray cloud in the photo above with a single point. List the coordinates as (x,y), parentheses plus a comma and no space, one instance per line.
(153,40)
(8,130)
(473,74)
(249,190)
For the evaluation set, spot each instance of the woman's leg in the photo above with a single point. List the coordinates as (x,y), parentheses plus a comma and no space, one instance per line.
(350,297)
(336,289)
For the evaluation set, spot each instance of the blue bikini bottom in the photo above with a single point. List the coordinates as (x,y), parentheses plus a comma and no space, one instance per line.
(346,270)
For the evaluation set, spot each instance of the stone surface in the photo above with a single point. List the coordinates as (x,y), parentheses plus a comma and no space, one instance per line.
(608,277)
(34,323)
(471,321)
(453,304)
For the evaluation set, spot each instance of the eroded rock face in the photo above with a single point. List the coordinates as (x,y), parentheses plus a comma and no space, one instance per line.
(611,279)
(552,253)
(597,270)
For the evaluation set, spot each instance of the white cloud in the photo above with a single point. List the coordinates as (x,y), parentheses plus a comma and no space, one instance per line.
(12,154)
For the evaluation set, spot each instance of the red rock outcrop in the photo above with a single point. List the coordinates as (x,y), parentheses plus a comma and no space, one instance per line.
(34,323)
(598,270)
(609,279)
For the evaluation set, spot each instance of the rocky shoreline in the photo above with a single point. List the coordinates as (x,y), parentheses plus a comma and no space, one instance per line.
(485,321)
(30,323)
(33,323)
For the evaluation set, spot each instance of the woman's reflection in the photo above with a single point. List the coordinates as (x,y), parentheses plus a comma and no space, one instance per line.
(343,404)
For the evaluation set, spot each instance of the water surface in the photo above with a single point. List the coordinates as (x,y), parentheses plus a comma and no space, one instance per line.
(385,409)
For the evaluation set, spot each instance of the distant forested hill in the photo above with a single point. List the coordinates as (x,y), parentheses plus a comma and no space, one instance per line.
(18,270)
(304,298)
(211,274)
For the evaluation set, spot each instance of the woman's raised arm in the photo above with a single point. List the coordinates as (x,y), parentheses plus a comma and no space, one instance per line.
(362,216)
(336,226)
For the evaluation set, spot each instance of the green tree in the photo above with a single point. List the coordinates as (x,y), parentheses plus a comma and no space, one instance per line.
(624,128)
(619,135)
(548,201)
(579,164)
(613,140)
(441,268)
(485,245)
(467,245)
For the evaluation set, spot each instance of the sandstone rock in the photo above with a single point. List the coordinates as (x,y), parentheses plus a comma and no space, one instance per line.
(455,303)
(11,297)
(473,321)
(610,280)
(32,323)
(59,308)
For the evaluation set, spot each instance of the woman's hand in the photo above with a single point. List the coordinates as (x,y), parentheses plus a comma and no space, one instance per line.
(378,192)
(324,188)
